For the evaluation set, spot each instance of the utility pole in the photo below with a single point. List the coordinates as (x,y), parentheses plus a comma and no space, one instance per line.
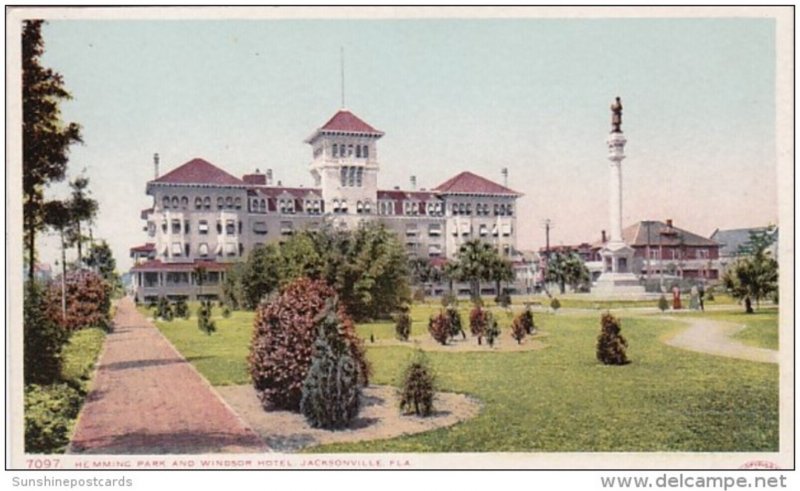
(548,224)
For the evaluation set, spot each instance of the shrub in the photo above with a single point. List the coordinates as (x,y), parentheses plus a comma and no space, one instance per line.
(555,304)
(88,301)
(663,304)
(43,338)
(518,328)
(478,319)
(503,299)
(454,319)
(50,412)
(181,308)
(449,298)
(527,320)
(204,322)
(163,309)
(611,344)
(417,387)
(492,329)
(402,326)
(439,327)
(284,332)
(226,311)
(418,296)
(331,394)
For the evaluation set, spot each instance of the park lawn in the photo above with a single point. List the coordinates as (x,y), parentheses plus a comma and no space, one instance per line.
(761,327)
(556,399)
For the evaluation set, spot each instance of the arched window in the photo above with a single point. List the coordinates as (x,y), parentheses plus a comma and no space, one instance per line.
(502,210)
(344,206)
(207,203)
(175,203)
(198,203)
(185,202)
(509,210)
(455,209)
(229,202)
(358,151)
(336,207)
(220,202)
(359,207)
(262,206)
(238,203)
(165,202)
(367,207)
(462,209)
(335,150)
(202,249)
(486,209)
(365,152)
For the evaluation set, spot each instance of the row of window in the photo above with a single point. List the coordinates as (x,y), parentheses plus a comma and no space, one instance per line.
(200,203)
(288,206)
(482,209)
(350,177)
(434,230)
(670,253)
(483,230)
(179,249)
(350,150)
(183,226)
(412,208)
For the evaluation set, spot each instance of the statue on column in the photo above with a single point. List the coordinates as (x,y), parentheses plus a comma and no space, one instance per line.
(616,116)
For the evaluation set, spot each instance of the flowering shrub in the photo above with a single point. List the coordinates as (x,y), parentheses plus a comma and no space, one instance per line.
(478,320)
(88,301)
(281,347)
(439,327)
(402,326)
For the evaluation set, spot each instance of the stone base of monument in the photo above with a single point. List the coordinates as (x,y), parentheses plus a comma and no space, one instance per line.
(618,285)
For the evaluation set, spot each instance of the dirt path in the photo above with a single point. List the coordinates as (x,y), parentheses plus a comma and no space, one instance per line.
(714,338)
(147,399)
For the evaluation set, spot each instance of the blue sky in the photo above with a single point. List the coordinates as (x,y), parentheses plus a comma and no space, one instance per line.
(532,95)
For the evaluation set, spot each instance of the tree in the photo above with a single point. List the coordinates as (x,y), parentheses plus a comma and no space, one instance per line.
(45,138)
(753,277)
(57,216)
(500,270)
(82,209)
(200,276)
(418,386)
(476,262)
(102,261)
(567,269)
(260,275)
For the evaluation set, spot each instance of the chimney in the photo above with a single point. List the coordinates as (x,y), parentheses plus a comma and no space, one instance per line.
(504,171)
(155,164)
(269,177)
(603,234)
(413,183)
(669,222)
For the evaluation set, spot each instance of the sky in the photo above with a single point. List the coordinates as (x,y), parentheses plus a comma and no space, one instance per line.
(451,95)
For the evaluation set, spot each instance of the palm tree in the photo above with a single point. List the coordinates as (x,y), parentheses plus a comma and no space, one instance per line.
(501,270)
(476,262)
(567,269)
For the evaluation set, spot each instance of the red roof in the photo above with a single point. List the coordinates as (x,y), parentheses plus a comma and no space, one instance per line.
(398,195)
(348,122)
(157,265)
(149,247)
(199,171)
(469,183)
(274,191)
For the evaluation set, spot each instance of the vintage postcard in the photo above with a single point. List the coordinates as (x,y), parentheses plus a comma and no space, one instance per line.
(400,238)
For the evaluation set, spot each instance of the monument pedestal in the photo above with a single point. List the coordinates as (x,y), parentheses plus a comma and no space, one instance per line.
(617,278)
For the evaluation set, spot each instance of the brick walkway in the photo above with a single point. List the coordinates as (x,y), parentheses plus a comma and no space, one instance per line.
(147,399)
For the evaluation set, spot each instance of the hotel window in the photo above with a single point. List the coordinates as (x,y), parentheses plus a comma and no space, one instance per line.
(219,227)
(462,209)
(262,206)
(506,229)
(411,230)
(186,226)
(455,208)
(350,150)
(184,202)
(165,202)
(177,248)
(434,250)
(230,227)
(344,206)
(176,226)
(365,152)
(198,203)
(335,150)
(254,205)
(151,229)
(359,176)
(469,208)
(351,177)
(702,253)
(164,226)
(358,151)
(207,203)
(653,253)
(343,176)
(509,211)
(367,207)
(229,202)
(186,249)
(496,209)
(287,228)
(336,206)
(202,249)
(230,248)
(494,230)
(238,203)
(220,202)
(434,230)
(175,203)
(359,207)
(260,228)
(484,230)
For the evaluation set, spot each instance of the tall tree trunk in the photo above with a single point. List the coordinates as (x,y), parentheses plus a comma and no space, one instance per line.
(63,277)
(80,246)
(31,245)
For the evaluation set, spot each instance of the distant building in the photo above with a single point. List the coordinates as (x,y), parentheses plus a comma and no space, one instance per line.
(732,241)
(202,216)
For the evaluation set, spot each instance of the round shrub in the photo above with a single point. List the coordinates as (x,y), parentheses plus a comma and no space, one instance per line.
(402,326)
(181,308)
(611,345)
(555,304)
(163,309)
(439,327)
(526,318)
(226,312)
(331,394)
(204,322)
(284,332)
(417,387)
(88,301)
(662,303)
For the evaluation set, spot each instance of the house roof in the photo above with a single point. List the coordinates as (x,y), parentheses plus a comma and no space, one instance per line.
(199,171)
(399,195)
(274,192)
(148,247)
(731,240)
(469,183)
(345,121)
(662,234)
(158,265)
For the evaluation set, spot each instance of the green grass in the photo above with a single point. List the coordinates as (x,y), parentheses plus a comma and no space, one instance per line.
(80,354)
(761,327)
(556,399)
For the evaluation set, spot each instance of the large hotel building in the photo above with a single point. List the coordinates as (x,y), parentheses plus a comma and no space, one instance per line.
(204,216)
